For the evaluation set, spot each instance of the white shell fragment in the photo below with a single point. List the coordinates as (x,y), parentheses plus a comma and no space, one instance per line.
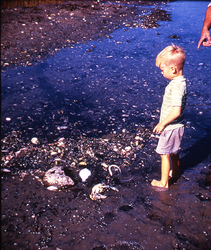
(85,174)
(34,140)
(115,167)
(98,189)
(105,166)
(52,188)
(5,170)
(55,177)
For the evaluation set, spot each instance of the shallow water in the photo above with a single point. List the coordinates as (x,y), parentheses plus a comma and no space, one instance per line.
(103,86)
(107,84)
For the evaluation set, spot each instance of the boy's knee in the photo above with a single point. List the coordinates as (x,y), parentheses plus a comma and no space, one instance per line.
(165,156)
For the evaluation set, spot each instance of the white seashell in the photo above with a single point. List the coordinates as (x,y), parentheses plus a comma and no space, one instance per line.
(138,138)
(52,188)
(104,165)
(5,170)
(84,174)
(34,140)
(115,167)
(82,163)
(128,148)
(115,149)
(61,142)
(90,152)
(56,177)
(54,153)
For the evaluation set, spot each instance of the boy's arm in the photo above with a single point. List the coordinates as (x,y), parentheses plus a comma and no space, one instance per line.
(176,111)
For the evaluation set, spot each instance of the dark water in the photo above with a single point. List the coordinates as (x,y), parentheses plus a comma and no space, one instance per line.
(109,85)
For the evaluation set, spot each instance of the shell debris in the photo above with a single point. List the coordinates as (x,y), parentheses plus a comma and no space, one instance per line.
(105,166)
(98,189)
(35,140)
(52,188)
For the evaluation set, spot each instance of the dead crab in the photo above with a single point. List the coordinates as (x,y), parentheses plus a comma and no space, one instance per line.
(98,189)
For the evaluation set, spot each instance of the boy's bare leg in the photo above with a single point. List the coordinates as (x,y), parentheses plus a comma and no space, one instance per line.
(165,169)
(175,165)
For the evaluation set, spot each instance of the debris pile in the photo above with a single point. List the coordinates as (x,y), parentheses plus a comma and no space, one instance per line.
(67,162)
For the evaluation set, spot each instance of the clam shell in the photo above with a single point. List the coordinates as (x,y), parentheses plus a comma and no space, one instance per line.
(85,174)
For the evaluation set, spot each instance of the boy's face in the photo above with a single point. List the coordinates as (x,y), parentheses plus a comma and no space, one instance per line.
(167,70)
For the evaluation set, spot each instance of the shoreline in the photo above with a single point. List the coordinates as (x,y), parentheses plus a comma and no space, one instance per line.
(31,34)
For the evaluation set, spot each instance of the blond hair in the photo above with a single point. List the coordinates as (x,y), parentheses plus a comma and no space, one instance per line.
(171,55)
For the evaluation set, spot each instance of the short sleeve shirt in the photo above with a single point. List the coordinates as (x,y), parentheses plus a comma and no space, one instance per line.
(175,95)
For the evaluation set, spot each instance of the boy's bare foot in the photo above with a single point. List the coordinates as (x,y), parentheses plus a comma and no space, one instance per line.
(158,184)
(175,176)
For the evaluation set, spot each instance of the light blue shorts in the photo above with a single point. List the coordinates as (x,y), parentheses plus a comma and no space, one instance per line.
(169,141)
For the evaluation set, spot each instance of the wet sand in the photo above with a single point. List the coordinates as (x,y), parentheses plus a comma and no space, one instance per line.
(31,34)
(135,217)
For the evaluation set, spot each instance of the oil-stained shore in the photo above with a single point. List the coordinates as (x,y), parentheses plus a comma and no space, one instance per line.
(30,34)
(135,217)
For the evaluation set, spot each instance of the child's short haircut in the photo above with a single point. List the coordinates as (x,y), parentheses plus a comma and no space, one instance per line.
(171,55)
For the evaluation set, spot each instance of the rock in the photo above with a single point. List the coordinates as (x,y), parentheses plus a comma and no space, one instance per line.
(174,36)
(56,177)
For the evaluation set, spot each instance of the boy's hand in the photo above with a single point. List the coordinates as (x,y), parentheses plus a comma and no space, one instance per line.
(176,111)
(158,128)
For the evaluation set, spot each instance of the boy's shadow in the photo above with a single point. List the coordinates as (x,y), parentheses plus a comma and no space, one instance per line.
(197,153)
(194,155)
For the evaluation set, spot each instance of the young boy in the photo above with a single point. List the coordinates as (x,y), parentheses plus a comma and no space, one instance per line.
(171,127)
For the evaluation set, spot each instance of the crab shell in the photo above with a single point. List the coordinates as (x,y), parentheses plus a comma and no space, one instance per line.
(99,188)
(56,177)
